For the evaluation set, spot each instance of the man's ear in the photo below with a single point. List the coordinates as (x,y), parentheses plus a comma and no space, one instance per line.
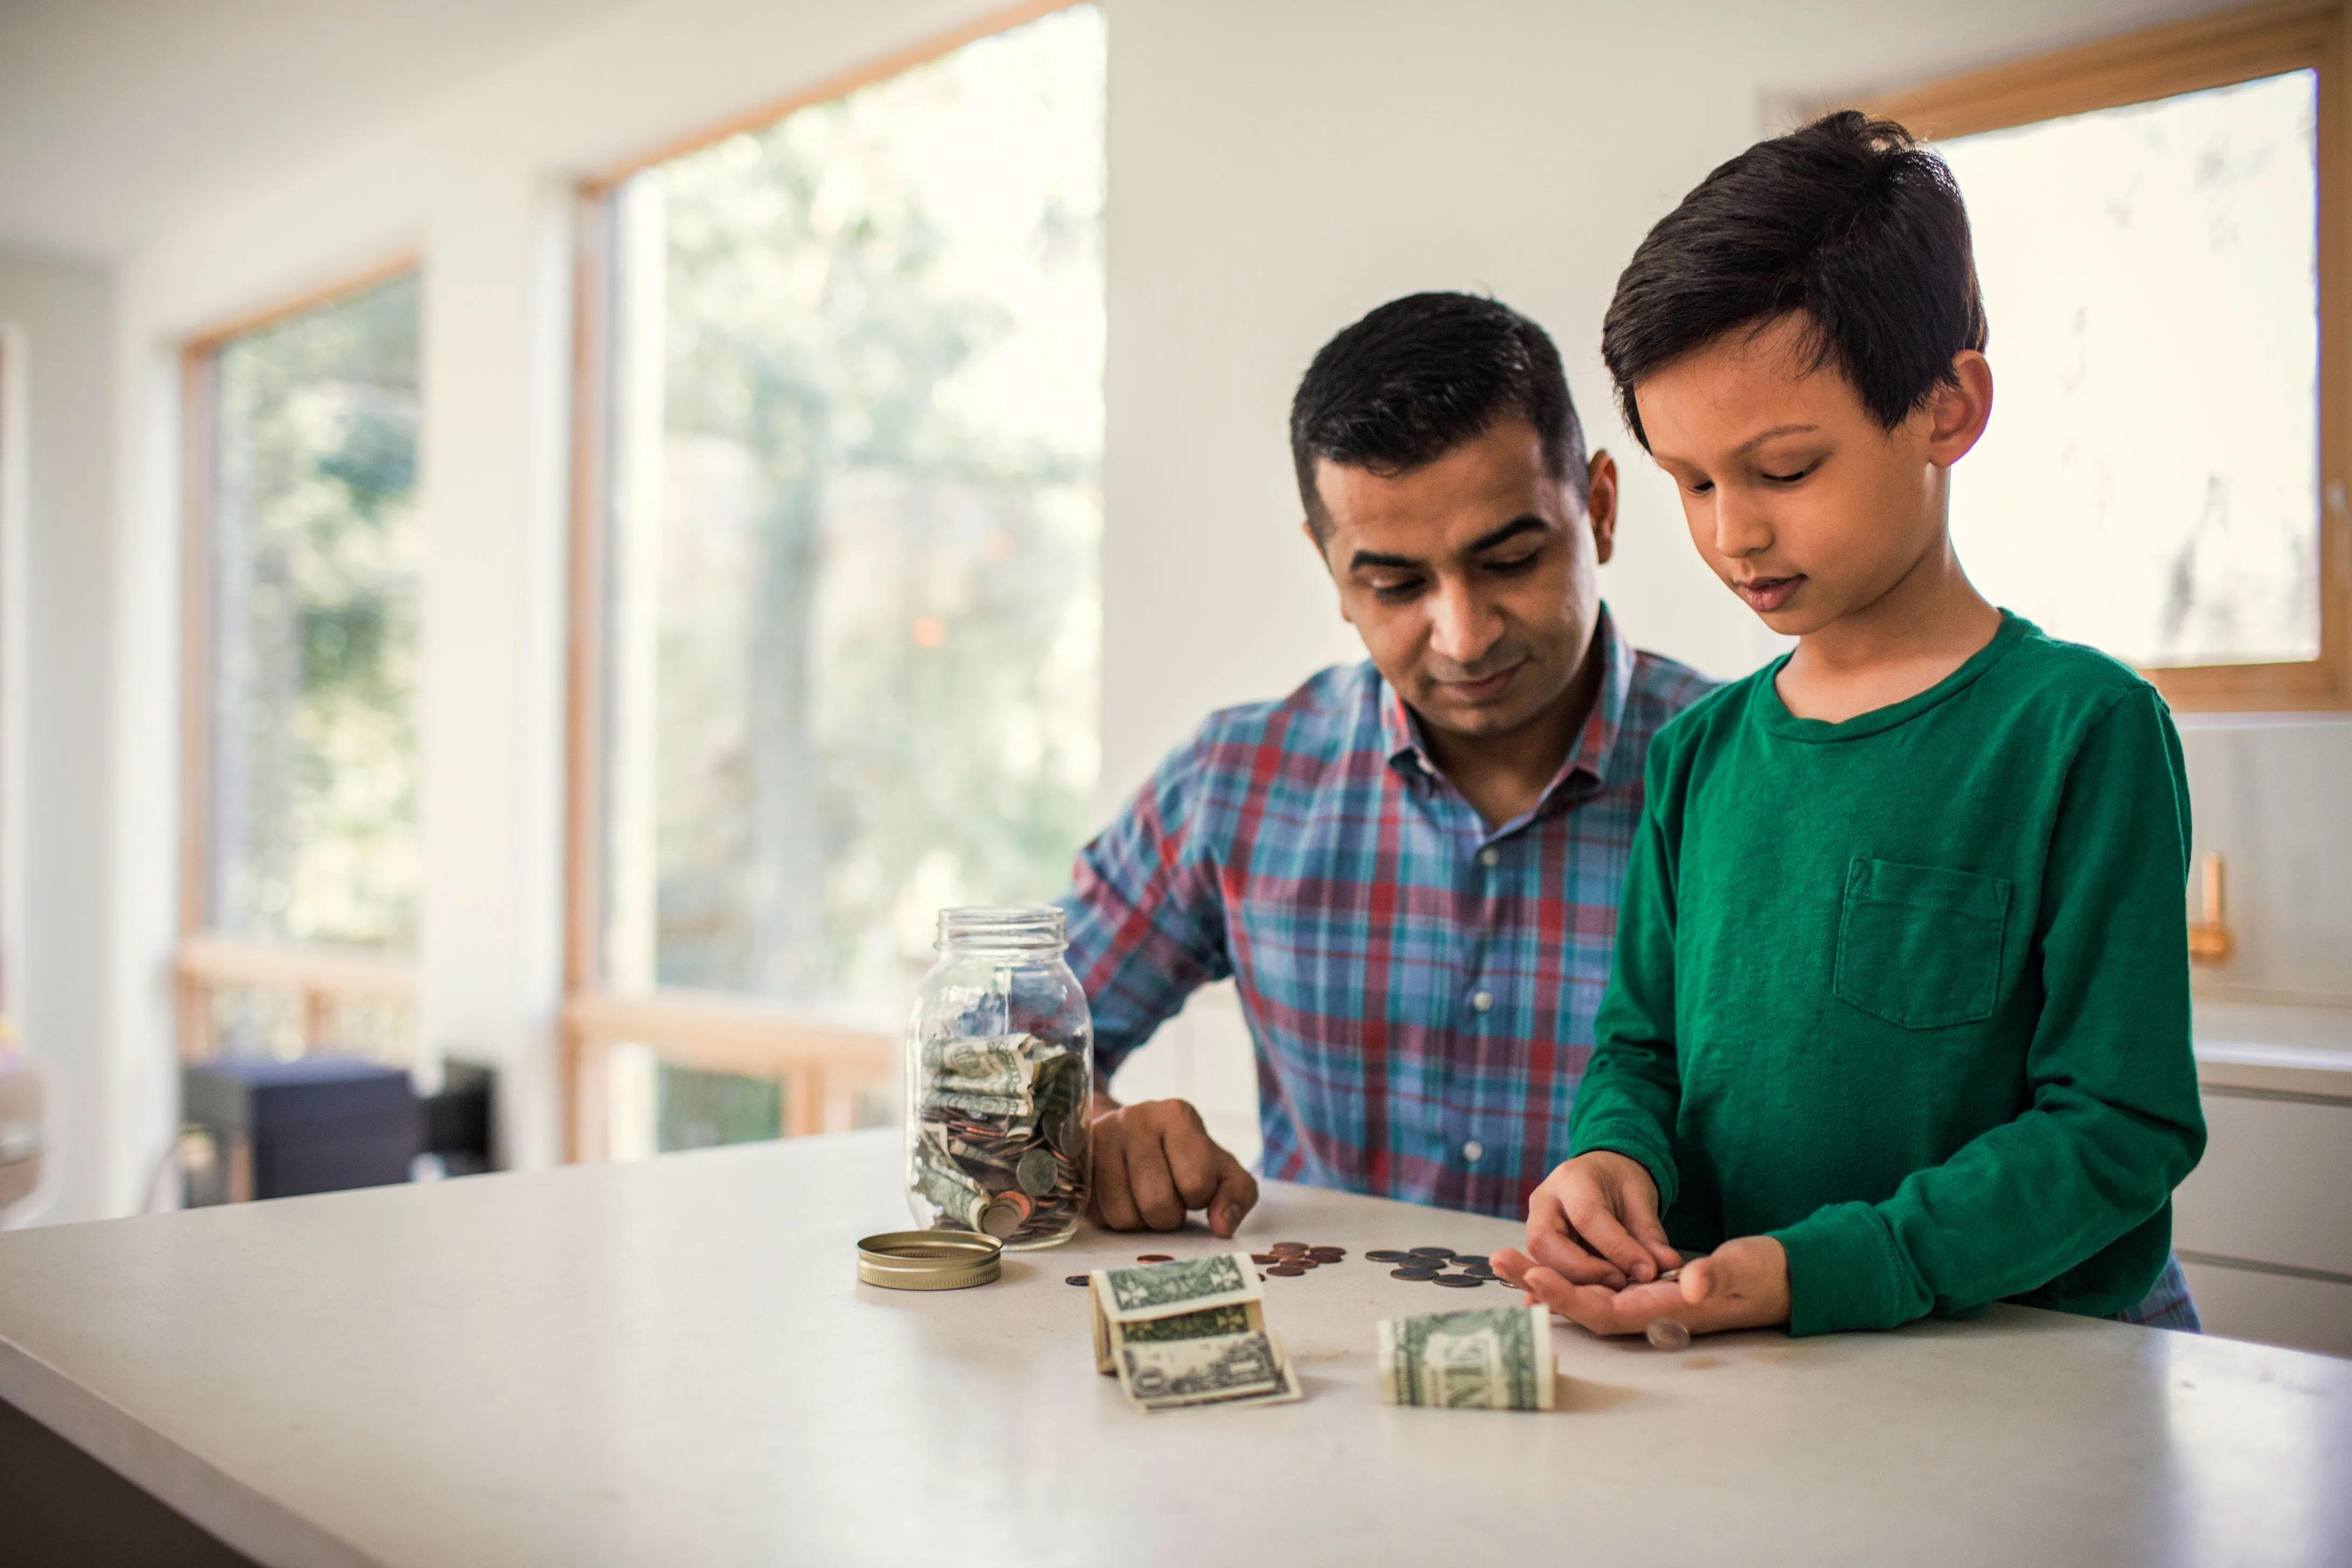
(1306,527)
(1600,504)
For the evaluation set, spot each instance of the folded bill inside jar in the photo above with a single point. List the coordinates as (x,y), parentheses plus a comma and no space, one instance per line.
(1002,1147)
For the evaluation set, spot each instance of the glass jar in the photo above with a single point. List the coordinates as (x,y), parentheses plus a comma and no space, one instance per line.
(1000,1069)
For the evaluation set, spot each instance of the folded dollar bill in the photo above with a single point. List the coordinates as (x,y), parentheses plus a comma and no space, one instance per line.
(1189,1333)
(1491,1358)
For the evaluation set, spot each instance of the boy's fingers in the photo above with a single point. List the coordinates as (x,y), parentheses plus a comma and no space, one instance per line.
(1546,1216)
(1559,1253)
(1602,1233)
(1642,1219)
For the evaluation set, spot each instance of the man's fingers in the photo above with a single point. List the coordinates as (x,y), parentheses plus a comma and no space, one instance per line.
(1154,1187)
(1193,1158)
(1235,1196)
(1114,1204)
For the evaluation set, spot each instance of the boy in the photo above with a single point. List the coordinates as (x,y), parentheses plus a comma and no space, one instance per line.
(1899,1017)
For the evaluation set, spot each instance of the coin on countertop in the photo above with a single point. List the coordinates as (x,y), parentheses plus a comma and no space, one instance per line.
(1290,1249)
(1459,1281)
(1153,1258)
(1389,1255)
(1287,1270)
(1076,1280)
(1263,1258)
(1412,1273)
(1667,1334)
(1440,1252)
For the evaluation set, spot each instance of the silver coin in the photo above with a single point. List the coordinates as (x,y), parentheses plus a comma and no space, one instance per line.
(1036,1171)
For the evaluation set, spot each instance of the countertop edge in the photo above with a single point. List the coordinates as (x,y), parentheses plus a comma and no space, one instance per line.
(244,1519)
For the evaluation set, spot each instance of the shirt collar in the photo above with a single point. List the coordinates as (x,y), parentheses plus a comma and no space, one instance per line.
(1588,759)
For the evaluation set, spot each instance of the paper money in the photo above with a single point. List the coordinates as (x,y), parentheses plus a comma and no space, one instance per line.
(1189,1333)
(1492,1358)
(1001,1136)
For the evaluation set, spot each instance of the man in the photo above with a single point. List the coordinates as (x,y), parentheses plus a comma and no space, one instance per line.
(1409,867)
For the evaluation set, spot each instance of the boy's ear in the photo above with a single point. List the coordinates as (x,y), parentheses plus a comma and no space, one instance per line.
(1959,412)
(1600,504)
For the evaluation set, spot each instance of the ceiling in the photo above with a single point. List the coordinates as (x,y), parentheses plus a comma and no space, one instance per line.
(120,118)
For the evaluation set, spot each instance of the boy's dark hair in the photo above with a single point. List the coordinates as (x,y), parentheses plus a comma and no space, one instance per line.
(1849,221)
(1420,376)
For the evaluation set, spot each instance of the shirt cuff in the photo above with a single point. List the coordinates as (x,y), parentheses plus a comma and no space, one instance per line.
(1637,1141)
(1846,1271)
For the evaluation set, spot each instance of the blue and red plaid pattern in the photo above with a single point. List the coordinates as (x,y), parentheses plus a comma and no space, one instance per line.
(1420,988)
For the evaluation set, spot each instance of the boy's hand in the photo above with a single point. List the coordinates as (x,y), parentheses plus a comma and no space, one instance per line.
(1743,1283)
(1594,1221)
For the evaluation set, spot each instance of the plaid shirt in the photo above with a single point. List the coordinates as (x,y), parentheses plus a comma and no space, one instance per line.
(1421,987)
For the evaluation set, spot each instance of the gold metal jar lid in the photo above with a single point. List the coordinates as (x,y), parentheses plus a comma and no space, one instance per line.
(929,1259)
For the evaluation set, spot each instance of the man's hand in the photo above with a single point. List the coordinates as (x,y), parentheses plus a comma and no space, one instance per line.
(1594,1221)
(1743,1283)
(1154,1160)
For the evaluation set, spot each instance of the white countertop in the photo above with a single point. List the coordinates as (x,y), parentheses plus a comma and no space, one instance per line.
(673,1362)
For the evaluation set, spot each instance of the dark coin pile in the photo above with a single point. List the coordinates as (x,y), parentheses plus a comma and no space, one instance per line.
(1290,1259)
(1430,1264)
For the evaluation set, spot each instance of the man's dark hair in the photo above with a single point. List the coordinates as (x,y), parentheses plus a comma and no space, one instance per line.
(1420,376)
(1849,221)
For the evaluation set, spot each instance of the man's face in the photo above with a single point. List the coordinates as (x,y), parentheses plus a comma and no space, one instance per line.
(1472,580)
(1803,504)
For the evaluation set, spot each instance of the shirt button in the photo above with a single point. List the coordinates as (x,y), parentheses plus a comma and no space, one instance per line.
(1490,857)
(1482,1000)
(1473,1151)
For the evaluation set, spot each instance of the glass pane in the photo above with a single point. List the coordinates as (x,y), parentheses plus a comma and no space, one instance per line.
(315,552)
(701,1109)
(857,434)
(2149,482)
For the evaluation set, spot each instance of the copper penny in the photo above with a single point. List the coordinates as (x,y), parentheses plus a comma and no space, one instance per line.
(1153,1258)
(1288,1270)
(1288,1248)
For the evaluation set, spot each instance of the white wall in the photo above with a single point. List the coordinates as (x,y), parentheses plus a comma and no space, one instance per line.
(1275,170)
(57,320)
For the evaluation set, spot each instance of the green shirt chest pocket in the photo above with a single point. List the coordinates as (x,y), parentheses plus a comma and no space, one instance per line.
(1920,946)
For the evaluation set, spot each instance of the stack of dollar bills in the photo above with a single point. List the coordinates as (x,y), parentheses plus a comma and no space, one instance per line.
(1493,1358)
(1189,1333)
(1002,1139)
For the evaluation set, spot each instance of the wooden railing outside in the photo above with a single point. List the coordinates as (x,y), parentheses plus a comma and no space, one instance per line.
(821,1069)
(325,980)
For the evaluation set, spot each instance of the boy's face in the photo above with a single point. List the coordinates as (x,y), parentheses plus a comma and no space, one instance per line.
(1473,579)
(1806,506)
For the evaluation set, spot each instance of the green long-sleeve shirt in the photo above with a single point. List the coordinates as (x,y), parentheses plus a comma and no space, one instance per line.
(1910,993)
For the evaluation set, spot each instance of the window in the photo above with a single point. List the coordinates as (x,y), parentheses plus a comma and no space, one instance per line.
(299,905)
(2164,474)
(843,513)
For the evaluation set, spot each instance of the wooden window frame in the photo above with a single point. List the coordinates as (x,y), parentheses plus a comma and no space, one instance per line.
(817,1065)
(2161,62)
(205,960)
